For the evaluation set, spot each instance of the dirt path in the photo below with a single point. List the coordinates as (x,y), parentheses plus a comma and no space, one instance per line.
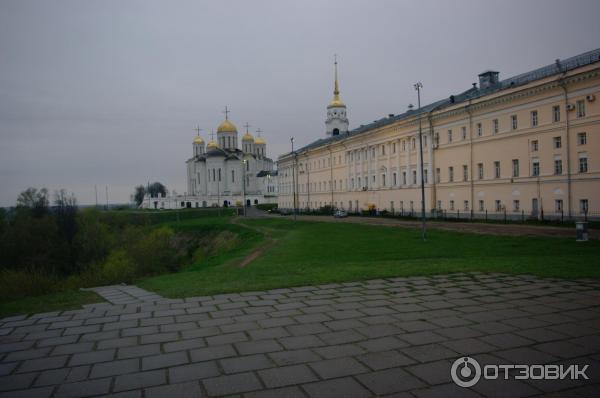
(474,227)
(261,249)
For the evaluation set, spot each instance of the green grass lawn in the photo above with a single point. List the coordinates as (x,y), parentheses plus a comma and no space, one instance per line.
(311,253)
(67,300)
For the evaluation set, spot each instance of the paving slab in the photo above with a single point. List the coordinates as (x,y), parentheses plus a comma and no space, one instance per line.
(386,337)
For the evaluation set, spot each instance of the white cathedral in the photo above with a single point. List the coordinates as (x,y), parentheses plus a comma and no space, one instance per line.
(222,174)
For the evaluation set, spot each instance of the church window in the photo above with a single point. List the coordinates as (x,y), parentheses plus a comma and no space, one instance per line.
(395,179)
(383,180)
(232,175)
(219,174)
(404,178)
(214,173)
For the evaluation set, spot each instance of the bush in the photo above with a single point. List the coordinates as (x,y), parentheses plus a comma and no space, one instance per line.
(266,206)
(118,268)
(156,252)
(23,283)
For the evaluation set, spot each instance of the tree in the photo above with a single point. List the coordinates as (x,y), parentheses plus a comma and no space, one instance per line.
(65,210)
(138,196)
(34,200)
(155,189)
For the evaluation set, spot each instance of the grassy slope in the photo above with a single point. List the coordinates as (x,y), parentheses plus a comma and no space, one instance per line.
(311,253)
(67,300)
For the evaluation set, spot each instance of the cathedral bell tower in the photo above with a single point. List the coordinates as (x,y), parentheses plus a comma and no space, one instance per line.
(337,122)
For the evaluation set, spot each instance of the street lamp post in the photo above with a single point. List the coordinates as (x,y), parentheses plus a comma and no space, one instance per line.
(293,178)
(244,187)
(418,87)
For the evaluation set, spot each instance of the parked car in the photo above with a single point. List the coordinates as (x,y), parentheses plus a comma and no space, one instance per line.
(340,214)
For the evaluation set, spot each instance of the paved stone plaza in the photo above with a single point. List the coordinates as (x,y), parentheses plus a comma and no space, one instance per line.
(395,337)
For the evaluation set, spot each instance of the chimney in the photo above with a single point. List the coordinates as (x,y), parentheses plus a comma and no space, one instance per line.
(488,79)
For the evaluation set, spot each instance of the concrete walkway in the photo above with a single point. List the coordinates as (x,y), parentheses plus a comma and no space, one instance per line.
(396,337)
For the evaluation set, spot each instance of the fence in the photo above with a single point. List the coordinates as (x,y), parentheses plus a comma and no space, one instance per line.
(502,216)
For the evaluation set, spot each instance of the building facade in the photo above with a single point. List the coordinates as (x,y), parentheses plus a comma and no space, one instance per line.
(524,146)
(221,173)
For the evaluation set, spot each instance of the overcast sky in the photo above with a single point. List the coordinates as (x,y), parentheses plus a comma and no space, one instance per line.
(107,93)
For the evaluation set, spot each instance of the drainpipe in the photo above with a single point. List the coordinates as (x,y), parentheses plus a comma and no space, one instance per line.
(330,175)
(470,173)
(563,85)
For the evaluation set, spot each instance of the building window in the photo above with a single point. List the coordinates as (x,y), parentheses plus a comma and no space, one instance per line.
(463,133)
(437,139)
(481,205)
(425,176)
(465,172)
(516,205)
(232,175)
(558,205)
(556,114)
(583,164)
(498,205)
(414,175)
(404,178)
(513,122)
(383,180)
(557,142)
(495,126)
(439,205)
(497,169)
(557,166)
(425,141)
(437,175)
(414,143)
(581,138)
(449,136)
(583,206)
(480,170)
(535,169)
(479,130)
(466,205)
(515,167)
(451,205)
(534,146)
(394,147)
(403,145)
(395,179)
(451,174)
(580,108)
(534,118)
(383,149)
(412,206)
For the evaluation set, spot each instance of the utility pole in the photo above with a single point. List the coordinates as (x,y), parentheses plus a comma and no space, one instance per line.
(418,87)
(293,178)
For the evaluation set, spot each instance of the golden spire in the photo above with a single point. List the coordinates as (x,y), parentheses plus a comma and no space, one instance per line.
(336,101)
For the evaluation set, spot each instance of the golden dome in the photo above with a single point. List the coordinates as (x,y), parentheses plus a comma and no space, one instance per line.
(226,127)
(211,145)
(336,102)
(259,141)
(198,140)
(247,137)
